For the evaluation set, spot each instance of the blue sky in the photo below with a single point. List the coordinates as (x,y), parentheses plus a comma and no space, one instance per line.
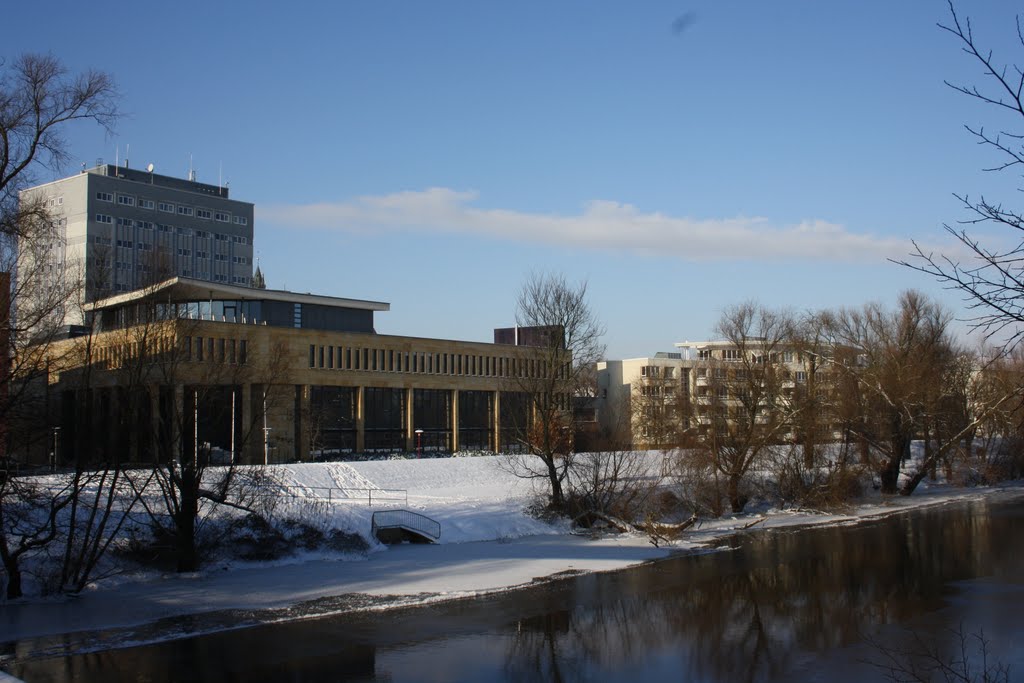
(433,154)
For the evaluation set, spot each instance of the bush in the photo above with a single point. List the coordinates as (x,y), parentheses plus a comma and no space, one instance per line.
(833,484)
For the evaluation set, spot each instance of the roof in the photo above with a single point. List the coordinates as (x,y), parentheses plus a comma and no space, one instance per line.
(180,289)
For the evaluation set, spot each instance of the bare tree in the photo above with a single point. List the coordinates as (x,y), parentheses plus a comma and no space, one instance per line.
(39,99)
(565,344)
(902,366)
(742,408)
(990,277)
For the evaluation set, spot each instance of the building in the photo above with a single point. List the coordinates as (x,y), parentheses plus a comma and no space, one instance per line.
(262,375)
(674,398)
(641,399)
(118,229)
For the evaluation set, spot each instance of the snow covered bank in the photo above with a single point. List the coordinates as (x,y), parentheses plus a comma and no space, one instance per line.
(488,543)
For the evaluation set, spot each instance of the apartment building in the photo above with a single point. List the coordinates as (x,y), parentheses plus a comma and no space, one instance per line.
(674,397)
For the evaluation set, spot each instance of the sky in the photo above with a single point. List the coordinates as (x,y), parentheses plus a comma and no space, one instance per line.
(678,157)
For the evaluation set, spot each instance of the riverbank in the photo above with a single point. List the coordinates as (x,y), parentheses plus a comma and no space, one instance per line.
(488,544)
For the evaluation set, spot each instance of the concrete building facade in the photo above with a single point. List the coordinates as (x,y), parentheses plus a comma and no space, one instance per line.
(118,229)
(680,389)
(260,375)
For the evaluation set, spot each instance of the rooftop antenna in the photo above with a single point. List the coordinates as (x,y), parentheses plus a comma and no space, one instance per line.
(127,153)
(191,169)
(220,175)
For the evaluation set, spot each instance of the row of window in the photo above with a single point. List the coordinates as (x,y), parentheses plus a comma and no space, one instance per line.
(169,207)
(119,355)
(657,371)
(388,360)
(162,227)
(213,350)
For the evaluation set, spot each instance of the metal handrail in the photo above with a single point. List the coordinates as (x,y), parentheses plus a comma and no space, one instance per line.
(406,519)
(337,494)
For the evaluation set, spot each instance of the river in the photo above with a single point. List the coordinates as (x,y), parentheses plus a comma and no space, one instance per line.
(808,604)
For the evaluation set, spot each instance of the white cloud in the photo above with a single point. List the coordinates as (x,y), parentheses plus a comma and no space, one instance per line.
(600,225)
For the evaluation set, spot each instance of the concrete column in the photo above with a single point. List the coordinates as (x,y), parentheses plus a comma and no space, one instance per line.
(154,421)
(177,419)
(455,420)
(360,422)
(496,421)
(303,434)
(410,421)
(249,433)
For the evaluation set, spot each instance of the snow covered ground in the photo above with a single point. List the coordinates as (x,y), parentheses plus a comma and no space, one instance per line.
(488,543)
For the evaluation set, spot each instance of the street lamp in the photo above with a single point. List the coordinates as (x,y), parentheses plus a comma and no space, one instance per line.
(419,443)
(56,449)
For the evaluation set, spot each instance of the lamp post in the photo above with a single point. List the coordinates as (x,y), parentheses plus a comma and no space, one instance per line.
(56,449)
(419,443)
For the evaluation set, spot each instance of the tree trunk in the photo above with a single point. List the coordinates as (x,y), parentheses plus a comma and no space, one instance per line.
(185,522)
(557,499)
(735,501)
(13,573)
(890,474)
(910,484)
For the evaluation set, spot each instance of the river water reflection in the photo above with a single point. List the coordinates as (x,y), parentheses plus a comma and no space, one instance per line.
(769,606)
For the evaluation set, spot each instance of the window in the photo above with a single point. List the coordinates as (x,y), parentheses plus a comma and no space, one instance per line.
(146,204)
(222,217)
(704,354)
(200,234)
(238,239)
(104,196)
(297,315)
(125,200)
(103,218)
(166,206)
(185,211)
(205,214)
(241,220)
(732,354)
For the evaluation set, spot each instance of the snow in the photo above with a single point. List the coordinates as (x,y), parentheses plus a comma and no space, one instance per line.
(488,543)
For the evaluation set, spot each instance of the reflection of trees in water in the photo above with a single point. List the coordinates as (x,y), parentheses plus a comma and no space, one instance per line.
(745,614)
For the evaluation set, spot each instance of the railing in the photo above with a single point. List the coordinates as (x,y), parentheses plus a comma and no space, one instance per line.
(333,494)
(405,519)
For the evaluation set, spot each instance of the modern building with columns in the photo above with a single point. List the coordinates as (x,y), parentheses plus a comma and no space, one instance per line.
(254,375)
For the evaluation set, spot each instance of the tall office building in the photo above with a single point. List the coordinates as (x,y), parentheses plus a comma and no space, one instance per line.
(121,229)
